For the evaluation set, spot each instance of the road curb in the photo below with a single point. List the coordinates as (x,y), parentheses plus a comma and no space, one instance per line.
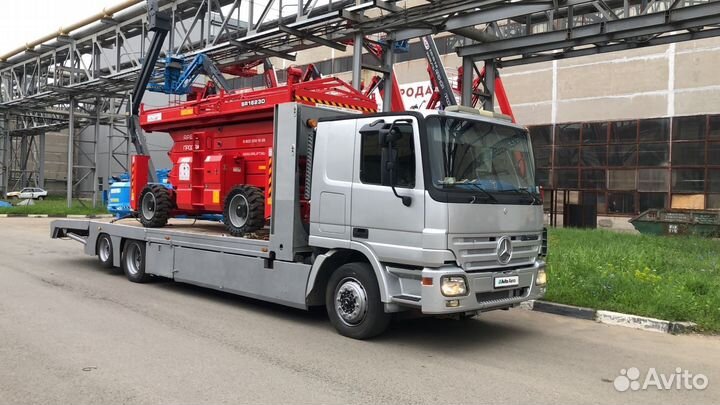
(611,318)
(13,215)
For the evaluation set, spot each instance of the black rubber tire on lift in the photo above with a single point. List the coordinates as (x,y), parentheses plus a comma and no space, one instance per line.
(104,250)
(133,261)
(155,206)
(352,300)
(244,210)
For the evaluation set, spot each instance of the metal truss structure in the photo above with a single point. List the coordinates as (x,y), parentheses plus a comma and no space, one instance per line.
(81,78)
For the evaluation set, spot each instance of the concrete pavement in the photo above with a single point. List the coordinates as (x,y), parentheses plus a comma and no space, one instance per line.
(71,332)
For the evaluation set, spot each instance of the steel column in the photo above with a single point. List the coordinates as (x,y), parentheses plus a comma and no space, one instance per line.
(467,81)
(95,153)
(41,160)
(357,60)
(5,167)
(70,153)
(388,62)
(489,102)
(24,154)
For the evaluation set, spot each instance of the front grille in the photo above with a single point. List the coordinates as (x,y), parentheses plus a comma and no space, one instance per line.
(500,296)
(476,253)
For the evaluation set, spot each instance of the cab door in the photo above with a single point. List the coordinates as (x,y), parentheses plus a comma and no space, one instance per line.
(379,219)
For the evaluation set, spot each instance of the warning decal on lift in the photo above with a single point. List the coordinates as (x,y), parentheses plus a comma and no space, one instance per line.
(154,117)
(184,169)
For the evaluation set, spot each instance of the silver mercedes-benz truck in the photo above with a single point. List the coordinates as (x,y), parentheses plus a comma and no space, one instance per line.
(435,212)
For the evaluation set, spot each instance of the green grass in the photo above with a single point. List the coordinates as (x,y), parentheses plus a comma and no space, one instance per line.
(55,206)
(671,278)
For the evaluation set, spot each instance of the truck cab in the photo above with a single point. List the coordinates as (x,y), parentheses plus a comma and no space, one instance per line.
(443,203)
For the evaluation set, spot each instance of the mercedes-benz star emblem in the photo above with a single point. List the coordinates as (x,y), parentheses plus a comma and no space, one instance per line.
(504,250)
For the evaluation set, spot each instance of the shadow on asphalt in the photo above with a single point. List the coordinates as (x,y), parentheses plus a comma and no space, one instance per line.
(427,332)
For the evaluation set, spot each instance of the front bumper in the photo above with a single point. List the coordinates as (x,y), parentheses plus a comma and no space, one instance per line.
(481,293)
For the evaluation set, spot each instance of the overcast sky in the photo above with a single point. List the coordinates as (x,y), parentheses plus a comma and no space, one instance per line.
(22,21)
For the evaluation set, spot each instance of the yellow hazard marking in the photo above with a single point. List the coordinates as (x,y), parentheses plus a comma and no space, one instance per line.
(262,167)
(216,196)
(333,103)
(187,111)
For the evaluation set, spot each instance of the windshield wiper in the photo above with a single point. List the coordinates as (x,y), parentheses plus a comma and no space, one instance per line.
(485,192)
(535,199)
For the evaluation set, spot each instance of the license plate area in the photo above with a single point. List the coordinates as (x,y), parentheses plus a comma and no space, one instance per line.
(506,281)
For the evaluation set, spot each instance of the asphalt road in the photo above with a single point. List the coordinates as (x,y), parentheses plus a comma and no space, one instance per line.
(71,332)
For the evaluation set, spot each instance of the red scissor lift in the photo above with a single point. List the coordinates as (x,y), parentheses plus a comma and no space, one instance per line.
(222,153)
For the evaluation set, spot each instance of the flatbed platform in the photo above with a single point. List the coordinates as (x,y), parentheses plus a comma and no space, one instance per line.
(189,233)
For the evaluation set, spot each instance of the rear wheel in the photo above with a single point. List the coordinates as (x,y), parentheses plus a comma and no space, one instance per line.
(155,206)
(244,210)
(352,299)
(133,261)
(104,251)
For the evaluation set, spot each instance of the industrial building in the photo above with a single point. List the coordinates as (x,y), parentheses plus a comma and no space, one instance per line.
(621,97)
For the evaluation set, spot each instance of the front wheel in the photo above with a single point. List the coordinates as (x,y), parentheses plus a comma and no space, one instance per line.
(155,206)
(352,299)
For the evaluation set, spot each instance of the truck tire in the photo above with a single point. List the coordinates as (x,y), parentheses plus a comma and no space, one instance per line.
(352,299)
(104,250)
(133,261)
(244,210)
(155,206)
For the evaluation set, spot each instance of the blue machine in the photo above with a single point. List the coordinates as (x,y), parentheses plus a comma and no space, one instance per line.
(119,196)
(179,75)
(119,193)
(5,204)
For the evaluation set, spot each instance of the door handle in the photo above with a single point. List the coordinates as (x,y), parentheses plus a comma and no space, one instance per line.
(360,233)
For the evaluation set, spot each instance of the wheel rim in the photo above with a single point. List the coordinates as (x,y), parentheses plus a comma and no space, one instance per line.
(133,259)
(104,249)
(239,210)
(351,303)
(148,206)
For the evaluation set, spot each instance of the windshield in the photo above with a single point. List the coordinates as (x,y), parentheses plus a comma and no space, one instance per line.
(491,160)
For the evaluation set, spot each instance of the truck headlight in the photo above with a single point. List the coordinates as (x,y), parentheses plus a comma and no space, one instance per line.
(541,279)
(453,286)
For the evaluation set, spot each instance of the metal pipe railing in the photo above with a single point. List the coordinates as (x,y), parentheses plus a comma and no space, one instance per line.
(105,13)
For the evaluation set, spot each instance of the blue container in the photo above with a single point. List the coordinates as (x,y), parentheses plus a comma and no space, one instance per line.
(119,199)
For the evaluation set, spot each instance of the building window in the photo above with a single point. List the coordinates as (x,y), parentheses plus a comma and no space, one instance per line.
(688,180)
(621,203)
(594,132)
(567,156)
(713,154)
(594,156)
(624,132)
(542,178)
(622,155)
(568,134)
(622,179)
(689,128)
(713,180)
(714,127)
(688,153)
(647,201)
(653,154)
(653,180)
(543,157)
(657,129)
(593,179)
(541,135)
(566,178)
